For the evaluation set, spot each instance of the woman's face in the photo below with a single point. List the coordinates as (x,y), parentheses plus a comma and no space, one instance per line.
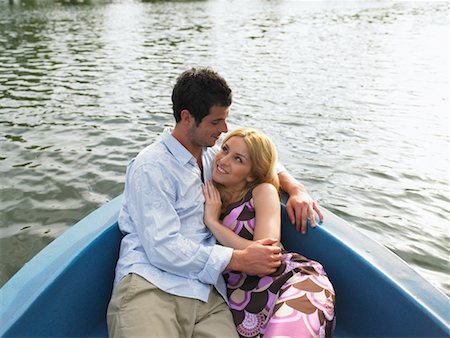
(232,165)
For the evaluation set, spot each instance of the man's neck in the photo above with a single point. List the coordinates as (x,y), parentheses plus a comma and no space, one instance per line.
(196,151)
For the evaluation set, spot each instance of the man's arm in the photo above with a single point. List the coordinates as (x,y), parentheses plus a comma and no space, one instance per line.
(158,226)
(300,206)
(152,206)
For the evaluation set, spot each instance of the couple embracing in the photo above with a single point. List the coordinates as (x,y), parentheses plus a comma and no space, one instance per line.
(201,255)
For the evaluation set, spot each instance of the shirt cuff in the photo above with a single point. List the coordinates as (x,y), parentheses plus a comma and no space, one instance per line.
(218,260)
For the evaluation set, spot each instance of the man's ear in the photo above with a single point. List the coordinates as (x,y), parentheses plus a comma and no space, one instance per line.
(186,117)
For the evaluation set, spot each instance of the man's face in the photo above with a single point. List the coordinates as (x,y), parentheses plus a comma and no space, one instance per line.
(208,131)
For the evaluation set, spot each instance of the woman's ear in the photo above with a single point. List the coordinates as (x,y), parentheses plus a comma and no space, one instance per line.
(249,178)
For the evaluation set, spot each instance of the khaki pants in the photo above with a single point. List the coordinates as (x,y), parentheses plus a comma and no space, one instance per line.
(139,309)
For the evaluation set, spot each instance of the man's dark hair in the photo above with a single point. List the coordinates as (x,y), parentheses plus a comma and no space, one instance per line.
(197,90)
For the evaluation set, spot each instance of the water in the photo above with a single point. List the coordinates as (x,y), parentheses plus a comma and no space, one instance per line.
(355,94)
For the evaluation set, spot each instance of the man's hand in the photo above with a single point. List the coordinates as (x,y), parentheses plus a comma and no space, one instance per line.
(300,207)
(261,258)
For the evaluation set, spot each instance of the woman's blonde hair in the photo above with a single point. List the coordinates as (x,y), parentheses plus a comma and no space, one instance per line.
(263,157)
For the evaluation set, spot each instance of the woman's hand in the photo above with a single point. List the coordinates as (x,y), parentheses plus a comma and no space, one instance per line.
(225,236)
(213,203)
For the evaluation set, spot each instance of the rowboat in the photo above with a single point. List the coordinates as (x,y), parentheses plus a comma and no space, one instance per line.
(64,290)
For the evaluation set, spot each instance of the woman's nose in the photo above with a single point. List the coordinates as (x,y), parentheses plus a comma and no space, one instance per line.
(223,160)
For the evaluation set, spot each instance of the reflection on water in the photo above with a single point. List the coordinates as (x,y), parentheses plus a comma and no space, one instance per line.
(355,94)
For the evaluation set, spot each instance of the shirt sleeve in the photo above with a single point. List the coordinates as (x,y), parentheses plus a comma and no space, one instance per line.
(279,167)
(152,207)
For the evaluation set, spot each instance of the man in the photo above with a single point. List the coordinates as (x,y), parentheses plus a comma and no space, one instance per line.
(169,274)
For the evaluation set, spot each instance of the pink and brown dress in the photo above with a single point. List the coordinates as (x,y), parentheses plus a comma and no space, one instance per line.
(295,301)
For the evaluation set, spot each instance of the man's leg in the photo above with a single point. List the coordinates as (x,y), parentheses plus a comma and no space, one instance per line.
(139,309)
(214,319)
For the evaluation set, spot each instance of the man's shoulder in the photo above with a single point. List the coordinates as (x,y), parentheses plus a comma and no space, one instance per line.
(153,153)
(150,159)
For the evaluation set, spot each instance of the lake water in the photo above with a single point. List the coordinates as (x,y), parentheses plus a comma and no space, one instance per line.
(355,95)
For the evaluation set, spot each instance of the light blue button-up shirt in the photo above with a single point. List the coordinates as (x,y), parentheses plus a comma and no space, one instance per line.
(166,241)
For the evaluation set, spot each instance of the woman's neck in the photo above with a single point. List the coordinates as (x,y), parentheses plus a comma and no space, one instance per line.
(230,196)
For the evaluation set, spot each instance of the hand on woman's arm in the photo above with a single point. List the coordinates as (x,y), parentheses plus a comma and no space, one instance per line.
(213,205)
(261,258)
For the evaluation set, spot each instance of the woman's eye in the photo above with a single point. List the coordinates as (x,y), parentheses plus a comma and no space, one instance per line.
(238,159)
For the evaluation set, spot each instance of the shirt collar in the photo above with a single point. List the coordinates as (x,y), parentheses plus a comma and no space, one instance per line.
(178,151)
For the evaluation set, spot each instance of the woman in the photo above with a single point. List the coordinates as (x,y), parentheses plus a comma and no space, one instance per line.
(298,299)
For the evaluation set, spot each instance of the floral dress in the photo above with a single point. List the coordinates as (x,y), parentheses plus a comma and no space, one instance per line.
(296,301)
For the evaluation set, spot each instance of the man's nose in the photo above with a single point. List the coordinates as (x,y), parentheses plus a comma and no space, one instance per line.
(225,127)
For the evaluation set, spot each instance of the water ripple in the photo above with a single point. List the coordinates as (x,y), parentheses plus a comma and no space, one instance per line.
(354,94)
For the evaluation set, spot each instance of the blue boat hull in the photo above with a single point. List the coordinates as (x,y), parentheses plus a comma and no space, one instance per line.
(65,289)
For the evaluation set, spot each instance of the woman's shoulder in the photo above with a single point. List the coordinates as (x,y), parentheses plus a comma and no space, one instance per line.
(265,195)
(264,188)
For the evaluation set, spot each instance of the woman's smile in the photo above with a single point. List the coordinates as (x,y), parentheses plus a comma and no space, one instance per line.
(220,169)
(232,163)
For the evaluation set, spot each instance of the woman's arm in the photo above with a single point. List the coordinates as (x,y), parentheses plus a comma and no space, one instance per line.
(224,235)
(267,212)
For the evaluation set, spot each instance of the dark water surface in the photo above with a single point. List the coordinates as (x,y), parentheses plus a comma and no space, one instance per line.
(355,94)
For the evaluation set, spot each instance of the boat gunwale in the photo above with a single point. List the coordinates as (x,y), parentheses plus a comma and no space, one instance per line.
(26,286)
(387,264)
(19,293)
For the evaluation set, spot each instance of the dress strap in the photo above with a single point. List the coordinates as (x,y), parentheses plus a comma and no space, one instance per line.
(248,196)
